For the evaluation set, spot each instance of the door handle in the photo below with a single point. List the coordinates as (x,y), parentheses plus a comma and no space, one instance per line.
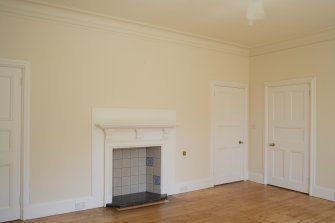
(272,144)
(240,142)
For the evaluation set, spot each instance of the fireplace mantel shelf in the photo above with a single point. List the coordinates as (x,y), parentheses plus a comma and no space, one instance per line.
(106,126)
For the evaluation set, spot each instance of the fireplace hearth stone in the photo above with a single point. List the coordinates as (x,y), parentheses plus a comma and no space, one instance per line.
(130,200)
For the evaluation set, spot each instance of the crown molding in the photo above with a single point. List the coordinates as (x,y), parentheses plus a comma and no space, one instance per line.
(322,36)
(82,19)
(36,9)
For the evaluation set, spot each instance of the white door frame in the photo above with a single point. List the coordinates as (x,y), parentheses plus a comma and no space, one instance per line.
(312,148)
(213,84)
(25,129)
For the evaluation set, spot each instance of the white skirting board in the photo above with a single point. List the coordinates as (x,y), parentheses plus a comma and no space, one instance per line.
(324,193)
(256,177)
(39,210)
(189,186)
(60,207)
(317,191)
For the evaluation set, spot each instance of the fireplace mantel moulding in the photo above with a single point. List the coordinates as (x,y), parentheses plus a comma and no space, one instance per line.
(134,126)
(135,132)
(121,135)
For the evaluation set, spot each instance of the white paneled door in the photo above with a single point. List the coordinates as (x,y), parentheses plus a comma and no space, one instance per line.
(288,136)
(10,142)
(229,134)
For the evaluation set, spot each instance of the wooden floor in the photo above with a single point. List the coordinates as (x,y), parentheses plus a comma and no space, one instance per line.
(238,202)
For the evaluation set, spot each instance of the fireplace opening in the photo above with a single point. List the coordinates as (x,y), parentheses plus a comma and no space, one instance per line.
(136,176)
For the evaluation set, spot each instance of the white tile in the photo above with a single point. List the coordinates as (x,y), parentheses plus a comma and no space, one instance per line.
(157,153)
(150,188)
(117,163)
(142,161)
(134,188)
(134,171)
(150,170)
(117,182)
(142,170)
(126,153)
(125,190)
(134,153)
(117,191)
(150,152)
(157,162)
(126,163)
(133,180)
(142,152)
(142,187)
(157,189)
(125,181)
(117,154)
(157,171)
(142,179)
(134,162)
(117,172)
(126,172)
(150,179)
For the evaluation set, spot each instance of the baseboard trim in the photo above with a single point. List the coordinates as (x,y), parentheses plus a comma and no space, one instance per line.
(324,193)
(40,210)
(256,177)
(61,207)
(189,186)
(317,191)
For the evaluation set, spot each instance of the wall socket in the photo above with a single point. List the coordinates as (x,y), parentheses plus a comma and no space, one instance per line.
(184,153)
(79,206)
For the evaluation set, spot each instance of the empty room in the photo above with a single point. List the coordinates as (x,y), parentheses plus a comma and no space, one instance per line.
(167,111)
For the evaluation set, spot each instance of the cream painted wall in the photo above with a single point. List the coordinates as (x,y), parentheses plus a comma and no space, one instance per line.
(75,69)
(315,60)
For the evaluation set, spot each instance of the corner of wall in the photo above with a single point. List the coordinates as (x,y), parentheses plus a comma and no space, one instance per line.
(256,177)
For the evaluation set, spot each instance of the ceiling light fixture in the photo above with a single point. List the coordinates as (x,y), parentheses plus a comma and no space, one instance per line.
(255,11)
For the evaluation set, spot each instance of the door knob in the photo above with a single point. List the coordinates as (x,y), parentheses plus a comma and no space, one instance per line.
(272,144)
(240,142)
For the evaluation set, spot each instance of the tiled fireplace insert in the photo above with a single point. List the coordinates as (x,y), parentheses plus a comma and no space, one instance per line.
(136,176)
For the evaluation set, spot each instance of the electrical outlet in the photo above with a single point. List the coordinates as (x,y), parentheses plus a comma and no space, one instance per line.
(184,153)
(79,206)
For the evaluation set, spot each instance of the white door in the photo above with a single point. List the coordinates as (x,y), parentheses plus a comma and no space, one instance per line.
(288,136)
(229,133)
(10,142)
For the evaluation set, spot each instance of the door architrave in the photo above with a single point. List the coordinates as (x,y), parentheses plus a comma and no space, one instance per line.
(25,67)
(214,84)
(312,140)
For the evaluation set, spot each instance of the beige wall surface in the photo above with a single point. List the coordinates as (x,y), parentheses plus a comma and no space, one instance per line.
(75,69)
(317,60)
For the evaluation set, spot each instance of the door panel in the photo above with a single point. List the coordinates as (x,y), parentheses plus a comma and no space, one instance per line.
(5,171)
(10,143)
(5,140)
(278,164)
(288,136)
(228,131)
(297,170)
(5,98)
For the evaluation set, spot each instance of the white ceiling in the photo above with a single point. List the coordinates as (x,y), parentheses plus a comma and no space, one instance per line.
(222,20)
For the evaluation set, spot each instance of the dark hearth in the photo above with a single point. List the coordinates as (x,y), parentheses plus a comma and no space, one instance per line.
(129,200)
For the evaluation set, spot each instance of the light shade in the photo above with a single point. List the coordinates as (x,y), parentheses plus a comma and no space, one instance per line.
(255,11)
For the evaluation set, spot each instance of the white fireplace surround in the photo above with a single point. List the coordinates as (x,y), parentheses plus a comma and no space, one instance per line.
(131,128)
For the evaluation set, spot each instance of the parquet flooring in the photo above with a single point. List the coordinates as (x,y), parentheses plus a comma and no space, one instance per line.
(237,203)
